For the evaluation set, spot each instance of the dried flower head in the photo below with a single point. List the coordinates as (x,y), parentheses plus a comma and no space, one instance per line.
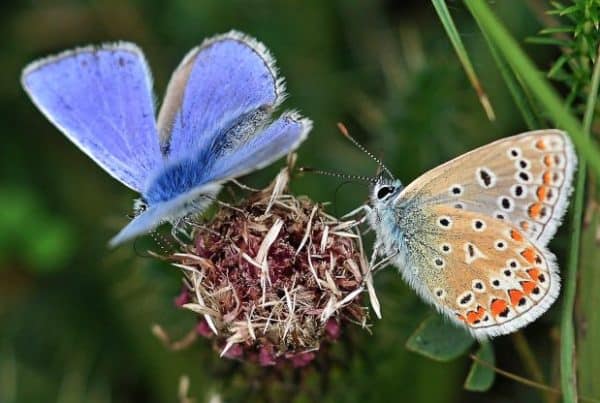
(273,277)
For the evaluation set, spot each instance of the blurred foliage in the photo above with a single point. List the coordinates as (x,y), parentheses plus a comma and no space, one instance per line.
(76,317)
(575,30)
(481,377)
(576,33)
(41,247)
(439,340)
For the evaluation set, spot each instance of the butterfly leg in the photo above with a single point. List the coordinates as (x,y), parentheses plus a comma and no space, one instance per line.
(175,235)
(357,210)
(383,262)
(177,229)
(199,225)
(374,254)
(242,186)
(374,266)
(364,208)
(224,204)
(229,206)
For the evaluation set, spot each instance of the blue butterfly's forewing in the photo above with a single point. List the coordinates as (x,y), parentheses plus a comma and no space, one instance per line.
(194,201)
(278,139)
(101,99)
(228,80)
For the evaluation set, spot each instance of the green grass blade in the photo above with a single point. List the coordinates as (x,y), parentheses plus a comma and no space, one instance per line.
(538,85)
(549,41)
(463,56)
(588,314)
(557,66)
(516,90)
(567,339)
(556,30)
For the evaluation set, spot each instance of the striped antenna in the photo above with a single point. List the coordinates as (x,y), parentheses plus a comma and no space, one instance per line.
(344,132)
(369,179)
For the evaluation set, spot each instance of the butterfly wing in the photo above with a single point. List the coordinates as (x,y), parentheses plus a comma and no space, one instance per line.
(195,200)
(216,111)
(101,99)
(204,175)
(482,272)
(228,82)
(281,137)
(525,180)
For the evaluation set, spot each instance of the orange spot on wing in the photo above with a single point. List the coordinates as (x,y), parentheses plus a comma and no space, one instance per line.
(472,317)
(475,316)
(498,306)
(535,210)
(548,160)
(527,286)
(542,192)
(516,235)
(461,317)
(547,178)
(534,273)
(515,296)
(540,144)
(529,255)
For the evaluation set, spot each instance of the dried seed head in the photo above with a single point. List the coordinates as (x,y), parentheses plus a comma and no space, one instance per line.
(273,277)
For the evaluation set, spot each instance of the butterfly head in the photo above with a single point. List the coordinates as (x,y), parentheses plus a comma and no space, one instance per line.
(139,206)
(385,191)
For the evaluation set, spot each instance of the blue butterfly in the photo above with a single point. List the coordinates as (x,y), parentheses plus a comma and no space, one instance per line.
(214,123)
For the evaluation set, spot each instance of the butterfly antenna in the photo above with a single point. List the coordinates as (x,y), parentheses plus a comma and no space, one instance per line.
(345,133)
(340,175)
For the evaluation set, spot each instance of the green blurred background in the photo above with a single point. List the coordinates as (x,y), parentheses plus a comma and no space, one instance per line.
(75,317)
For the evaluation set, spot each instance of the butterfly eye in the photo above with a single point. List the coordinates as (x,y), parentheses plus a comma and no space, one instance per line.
(384,191)
(139,206)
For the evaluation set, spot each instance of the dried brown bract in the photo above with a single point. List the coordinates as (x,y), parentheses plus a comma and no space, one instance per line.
(274,277)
